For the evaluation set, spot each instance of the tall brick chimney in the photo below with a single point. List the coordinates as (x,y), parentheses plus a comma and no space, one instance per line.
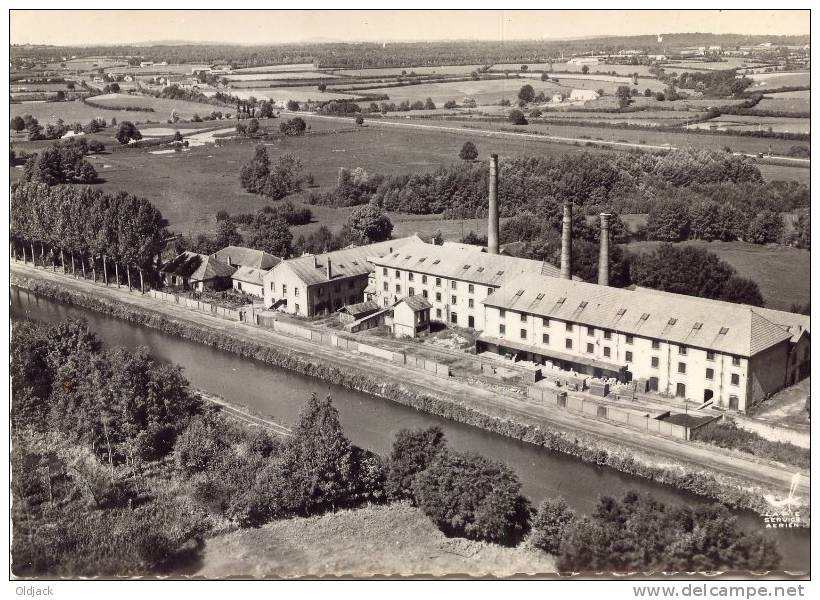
(492,225)
(566,242)
(603,257)
(328,268)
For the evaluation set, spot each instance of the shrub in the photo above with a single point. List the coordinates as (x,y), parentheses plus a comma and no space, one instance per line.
(413,451)
(550,524)
(516,117)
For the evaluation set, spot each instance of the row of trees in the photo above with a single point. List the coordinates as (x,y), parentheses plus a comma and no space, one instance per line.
(97,227)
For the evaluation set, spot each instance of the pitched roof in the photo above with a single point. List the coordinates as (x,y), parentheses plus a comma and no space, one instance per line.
(416,303)
(686,320)
(362,308)
(249,275)
(197,267)
(350,262)
(246,257)
(468,264)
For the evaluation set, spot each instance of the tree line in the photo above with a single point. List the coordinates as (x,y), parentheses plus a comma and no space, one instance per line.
(96,227)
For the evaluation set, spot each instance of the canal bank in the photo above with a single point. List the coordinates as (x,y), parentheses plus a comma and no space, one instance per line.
(372,423)
(518,421)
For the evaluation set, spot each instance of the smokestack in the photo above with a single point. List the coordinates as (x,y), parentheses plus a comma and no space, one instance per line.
(566,242)
(328,268)
(492,226)
(603,258)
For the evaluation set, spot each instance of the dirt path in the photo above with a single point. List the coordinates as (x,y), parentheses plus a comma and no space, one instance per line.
(772,476)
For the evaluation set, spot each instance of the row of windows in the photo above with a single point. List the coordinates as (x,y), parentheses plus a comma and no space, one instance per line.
(453,283)
(320,290)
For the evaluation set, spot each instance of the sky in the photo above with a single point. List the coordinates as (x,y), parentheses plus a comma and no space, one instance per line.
(90,27)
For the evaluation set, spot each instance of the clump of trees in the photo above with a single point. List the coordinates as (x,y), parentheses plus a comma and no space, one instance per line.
(60,163)
(275,180)
(126,132)
(368,224)
(295,126)
(468,151)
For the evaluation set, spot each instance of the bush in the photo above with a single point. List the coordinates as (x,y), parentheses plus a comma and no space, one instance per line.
(550,525)
(470,496)
(413,451)
(726,434)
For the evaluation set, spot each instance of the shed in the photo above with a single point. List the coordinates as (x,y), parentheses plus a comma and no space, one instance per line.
(354,312)
(411,316)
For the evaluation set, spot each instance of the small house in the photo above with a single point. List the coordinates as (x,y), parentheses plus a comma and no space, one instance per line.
(411,316)
(557,98)
(192,271)
(240,256)
(248,280)
(354,312)
(578,95)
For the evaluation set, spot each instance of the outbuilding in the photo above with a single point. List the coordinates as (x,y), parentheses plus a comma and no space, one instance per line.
(192,271)
(411,316)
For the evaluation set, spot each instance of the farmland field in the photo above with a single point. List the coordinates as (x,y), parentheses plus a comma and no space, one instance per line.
(730,63)
(751,123)
(386,71)
(608,83)
(278,68)
(86,64)
(484,92)
(70,112)
(641,70)
(793,104)
(804,94)
(781,272)
(280,95)
(279,76)
(777,80)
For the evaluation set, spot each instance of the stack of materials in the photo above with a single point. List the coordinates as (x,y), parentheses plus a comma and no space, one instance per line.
(598,388)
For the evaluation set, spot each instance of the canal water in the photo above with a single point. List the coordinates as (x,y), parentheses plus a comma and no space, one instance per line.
(372,422)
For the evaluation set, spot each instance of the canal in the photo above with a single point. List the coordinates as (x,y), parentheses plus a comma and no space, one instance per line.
(372,422)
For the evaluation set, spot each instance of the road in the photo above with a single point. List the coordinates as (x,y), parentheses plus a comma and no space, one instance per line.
(773,477)
(532,136)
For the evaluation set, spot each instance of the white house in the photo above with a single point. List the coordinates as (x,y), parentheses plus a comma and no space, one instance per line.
(578,95)
(411,316)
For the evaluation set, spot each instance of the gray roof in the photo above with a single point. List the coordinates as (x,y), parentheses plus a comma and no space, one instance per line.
(246,257)
(686,320)
(362,308)
(416,303)
(350,262)
(249,275)
(197,267)
(465,264)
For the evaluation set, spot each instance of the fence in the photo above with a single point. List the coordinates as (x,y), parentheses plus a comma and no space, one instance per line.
(774,433)
(606,412)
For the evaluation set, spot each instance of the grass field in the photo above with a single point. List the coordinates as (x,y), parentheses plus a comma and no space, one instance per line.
(490,91)
(280,95)
(787,104)
(752,123)
(280,75)
(378,540)
(782,273)
(804,94)
(776,80)
(388,71)
(70,112)
(278,68)
(641,70)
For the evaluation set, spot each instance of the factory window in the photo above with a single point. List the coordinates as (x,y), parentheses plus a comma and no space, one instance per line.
(438,281)
(385,301)
(398,288)
(682,368)
(629,339)
(545,322)
(523,334)
(438,313)
(296,291)
(606,351)
(271,287)
(239,285)
(656,345)
(424,293)
(545,338)
(502,313)
(398,273)
(471,288)
(470,303)
(590,331)
(568,344)
(424,278)
(409,277)
(628,356)
(682,350)
(384,271)
(438,296)
(284,289)
(452,285)
(710,373)
(411,292)
(680,390)
(735,379)
(489,291)
(523,317)
(710,355)
(590,348)
(296,306)
(607,335)
(568,326)
(736,361)
(454,318)
(655,362)
(502,329)
(385,286)
(453,300)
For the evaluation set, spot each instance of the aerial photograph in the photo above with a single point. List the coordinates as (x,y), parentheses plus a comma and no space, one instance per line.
(409,294)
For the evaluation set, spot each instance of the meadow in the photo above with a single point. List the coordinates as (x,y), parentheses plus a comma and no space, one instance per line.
(641,70)
(781,272)
(280,95)
(278,68)
(387,71)
(803,94)
(490,91)
(785,104)
(768,81)
(280,76)
(753,123)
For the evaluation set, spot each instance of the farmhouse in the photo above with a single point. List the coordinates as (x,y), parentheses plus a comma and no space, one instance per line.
(316,284)
(239,256)
(195,271)
(584,95)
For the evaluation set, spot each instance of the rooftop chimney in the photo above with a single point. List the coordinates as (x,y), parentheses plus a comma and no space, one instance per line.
(492,226)
(603,257)
(566,242)
(328,268)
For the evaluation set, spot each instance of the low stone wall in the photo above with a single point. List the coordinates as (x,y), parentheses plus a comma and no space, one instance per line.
(603,411)
(774,433)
